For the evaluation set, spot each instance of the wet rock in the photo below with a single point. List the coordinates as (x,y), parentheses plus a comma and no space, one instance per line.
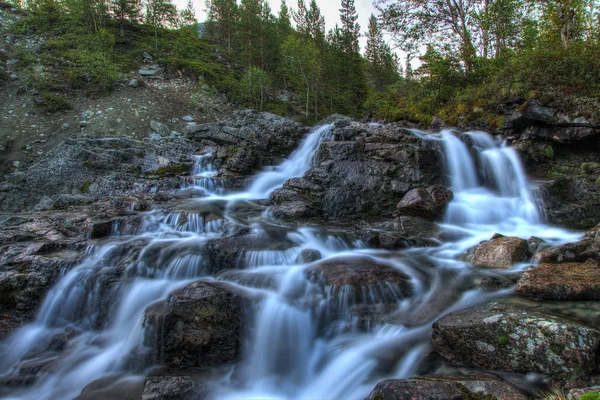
(501,337)
(308,256)
(231,252)
(569,281)
(200,326)
(243,159)
(533,120)
(534,244)
(266,137)
(172,388)
(188,118)
(500,253)
(293,210)
(572,201)
(113,387)
(586,249)
(464,387)
(361,280)
(425,203)
(367,170)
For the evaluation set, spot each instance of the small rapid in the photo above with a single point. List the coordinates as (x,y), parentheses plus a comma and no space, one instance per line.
(305,340)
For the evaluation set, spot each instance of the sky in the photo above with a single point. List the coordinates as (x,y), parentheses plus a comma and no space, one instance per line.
(329,8)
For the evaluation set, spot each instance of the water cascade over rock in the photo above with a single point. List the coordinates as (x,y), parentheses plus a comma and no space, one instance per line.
(296,310)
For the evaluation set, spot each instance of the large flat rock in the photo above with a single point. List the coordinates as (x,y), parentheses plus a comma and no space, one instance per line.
(501,337)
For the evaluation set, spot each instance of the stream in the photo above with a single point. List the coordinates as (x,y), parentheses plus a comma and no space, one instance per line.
(303,343)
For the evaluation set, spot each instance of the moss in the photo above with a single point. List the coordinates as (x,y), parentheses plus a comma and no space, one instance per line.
(88,164)
(176,169)
(590,168)
(22,268)
(135,169)
(590,396)
(503,340)
(549,152)
(597,183)
(557,348)
(85,187)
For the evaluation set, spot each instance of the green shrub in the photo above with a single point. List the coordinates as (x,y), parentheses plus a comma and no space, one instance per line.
(55,103)
(590,396)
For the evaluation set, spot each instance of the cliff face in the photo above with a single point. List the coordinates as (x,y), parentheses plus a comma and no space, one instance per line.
(562,152)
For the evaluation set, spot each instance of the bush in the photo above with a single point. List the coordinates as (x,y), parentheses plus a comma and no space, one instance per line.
(94,67)
(55,103)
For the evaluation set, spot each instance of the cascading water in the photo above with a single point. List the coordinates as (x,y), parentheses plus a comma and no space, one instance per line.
(90,325)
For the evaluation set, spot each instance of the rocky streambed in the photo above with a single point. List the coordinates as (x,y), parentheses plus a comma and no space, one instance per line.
(370,261)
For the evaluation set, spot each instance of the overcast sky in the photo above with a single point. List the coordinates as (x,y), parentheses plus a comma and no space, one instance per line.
(329,8)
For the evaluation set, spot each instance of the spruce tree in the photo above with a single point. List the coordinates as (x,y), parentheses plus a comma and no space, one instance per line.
(221,22)
(188,15)
(350,28)
(125,10)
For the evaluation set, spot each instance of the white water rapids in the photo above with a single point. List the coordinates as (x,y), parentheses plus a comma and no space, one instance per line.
(90,325)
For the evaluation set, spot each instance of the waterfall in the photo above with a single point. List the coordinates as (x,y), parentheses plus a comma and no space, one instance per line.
(299,348)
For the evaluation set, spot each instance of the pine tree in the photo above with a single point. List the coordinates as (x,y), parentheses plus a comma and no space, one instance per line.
(301,18)
(249,32)
(188,15)
(284,23)
(350,28)
(315,22)
(125,10)
(383,65)
(221,22)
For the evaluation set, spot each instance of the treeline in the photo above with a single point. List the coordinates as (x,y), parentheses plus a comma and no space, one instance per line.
(475,52)
(461,57)
(323,72)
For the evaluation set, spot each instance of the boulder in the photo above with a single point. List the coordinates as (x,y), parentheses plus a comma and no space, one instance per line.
(200,325)
(308,256)
(500,253)
(501,337)
(151,71)
(172,388)
(425,203)
(367,169)
(569,281)
(251,138)
(231,252)
(571,201)
(586,249)
(464,387)
(360,280)
(160,128)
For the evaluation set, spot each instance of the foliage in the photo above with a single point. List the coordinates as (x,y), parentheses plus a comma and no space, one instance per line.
(55,103)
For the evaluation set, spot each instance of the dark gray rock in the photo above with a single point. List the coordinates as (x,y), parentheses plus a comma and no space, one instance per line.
(425,203)
(152,71)
(98,168)
(438,387)
(160,128)
(200,326)
(572,201)
(172,388)
(501,337)
(308,256)
(252,138)
(367,170)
